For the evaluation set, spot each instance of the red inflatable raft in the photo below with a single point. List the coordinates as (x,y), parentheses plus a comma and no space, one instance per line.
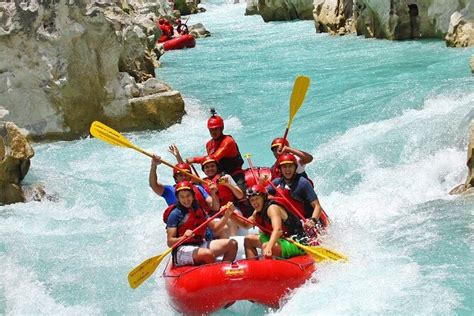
(180,42)
(208,288)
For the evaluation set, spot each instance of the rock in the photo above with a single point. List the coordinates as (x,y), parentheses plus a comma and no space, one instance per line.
(469,183)
(251,7)
(396,19)
(472,64)
(460,32)
(199,31)
(285,10)
(332,17)
(61,63)
(15,156)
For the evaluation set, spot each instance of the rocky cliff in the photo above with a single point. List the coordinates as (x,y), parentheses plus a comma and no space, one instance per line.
(398,19)
(281,10)
(64,64)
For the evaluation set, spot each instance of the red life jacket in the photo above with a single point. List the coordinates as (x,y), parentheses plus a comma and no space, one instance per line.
(223,193)
(291,226)
(298,207)
(201,200)
(195,218)
(229,160)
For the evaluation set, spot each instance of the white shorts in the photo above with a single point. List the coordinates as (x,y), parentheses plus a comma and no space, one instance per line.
(184,254)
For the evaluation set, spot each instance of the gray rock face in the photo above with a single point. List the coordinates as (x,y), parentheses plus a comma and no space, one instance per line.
(461,29)
(281,10)
(199,31)
(15,155)
(65,64)
(469,183)
(398,19)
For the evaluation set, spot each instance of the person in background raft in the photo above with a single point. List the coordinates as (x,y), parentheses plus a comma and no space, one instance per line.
(183,219)
(167,31)
(181,28)
(299,191)
(224,150)
(281,146)
(227,189)
(274,216)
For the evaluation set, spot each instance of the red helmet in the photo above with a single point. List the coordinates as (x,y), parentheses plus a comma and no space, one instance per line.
(256,189)
(215,121)
(183,185)
(207,159)
(182,166)
(279,141)
(161,21)
(287,159)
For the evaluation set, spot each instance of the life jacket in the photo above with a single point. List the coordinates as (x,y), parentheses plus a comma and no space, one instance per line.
(299,208)
(232,162)
(195,217)
(201,200)
(223,193)
(291,226)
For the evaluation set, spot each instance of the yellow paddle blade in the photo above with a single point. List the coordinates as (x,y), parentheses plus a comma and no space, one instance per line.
(333,255)
(109,135)
(316,255)
(143,271)
(297,96)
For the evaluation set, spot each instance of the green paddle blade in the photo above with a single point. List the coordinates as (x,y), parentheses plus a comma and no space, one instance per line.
(297,96)
(143,271)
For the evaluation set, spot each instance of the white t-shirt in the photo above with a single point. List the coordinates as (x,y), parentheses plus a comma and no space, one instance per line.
(300,167)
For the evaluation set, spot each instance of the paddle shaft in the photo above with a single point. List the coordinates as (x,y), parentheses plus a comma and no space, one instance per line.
(179,243)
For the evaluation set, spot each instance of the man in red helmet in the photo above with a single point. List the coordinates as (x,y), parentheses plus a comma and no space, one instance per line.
(168,191)
(280,146)
(224,150)
(298,190)
(181,28)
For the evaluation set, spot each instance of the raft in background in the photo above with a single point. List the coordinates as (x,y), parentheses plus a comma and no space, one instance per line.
(208,288)
(183,41)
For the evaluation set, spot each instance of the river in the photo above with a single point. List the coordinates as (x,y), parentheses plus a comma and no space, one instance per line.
(386,122)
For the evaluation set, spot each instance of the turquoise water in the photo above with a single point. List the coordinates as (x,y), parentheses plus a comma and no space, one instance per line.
(386,122)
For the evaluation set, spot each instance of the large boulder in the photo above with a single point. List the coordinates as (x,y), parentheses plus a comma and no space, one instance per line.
(15,155)
(281,10)
(63,64)
(332,16)
(469,183)
(461,30)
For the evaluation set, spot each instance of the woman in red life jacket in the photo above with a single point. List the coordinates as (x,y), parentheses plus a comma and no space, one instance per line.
(227,190)
(281,146)
(275,217)
(299,191)
(224,150)
(187,216)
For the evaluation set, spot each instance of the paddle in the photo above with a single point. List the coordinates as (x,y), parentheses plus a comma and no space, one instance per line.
(319,250)
(297,98)
(145,269)
(111,136)
(313,252)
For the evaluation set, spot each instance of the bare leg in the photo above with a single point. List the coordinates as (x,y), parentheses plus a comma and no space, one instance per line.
(203,256)
(276,250)
(226,247)
(251,243)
